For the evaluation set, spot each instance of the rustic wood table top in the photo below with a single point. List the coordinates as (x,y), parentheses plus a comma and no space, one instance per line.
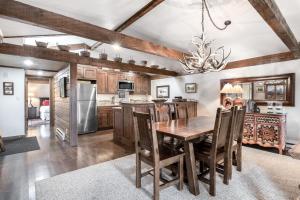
(186,129)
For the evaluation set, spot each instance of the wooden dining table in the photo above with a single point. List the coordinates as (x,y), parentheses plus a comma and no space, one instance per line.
(188,131)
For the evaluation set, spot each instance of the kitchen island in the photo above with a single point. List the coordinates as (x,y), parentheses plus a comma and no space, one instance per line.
(123,120)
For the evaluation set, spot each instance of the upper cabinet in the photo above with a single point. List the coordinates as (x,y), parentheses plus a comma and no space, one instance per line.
(101,82)
(142,84)
(87,73)
(107,82)
(112,83)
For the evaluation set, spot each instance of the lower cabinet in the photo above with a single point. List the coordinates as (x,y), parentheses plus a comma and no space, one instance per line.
(105,117)
(123,123)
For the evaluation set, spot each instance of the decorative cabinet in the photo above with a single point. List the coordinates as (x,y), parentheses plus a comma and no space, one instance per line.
(267,130)
(88,73)
(105,117)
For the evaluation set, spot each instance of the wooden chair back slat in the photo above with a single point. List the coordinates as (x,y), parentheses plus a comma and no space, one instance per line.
(143,130)
(239,124)
(182,111)
(163,113)
(222,130)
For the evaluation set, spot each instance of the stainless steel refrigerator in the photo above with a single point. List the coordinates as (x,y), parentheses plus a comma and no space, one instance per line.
(86,108)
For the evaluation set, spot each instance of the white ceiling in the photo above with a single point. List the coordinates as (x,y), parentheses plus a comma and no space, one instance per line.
(172,24)
(38,64)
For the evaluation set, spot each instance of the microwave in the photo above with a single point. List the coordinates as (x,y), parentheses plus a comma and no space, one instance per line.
(124,85)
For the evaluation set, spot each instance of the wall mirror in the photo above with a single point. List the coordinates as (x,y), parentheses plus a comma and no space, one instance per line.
(266,89)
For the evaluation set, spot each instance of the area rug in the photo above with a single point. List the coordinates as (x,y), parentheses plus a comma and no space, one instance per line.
(265,176)
(20,145)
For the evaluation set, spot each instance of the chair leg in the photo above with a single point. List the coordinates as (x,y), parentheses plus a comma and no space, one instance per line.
(138,171)
(201,166)
(239,158)
(156,183)
(226,171)
(230,166)
(180,174)
(212,179)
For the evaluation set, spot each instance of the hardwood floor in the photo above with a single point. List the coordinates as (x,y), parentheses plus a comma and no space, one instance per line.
(19,172)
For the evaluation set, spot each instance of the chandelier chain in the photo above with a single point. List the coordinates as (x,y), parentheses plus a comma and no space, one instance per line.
(211,19)
(205,58)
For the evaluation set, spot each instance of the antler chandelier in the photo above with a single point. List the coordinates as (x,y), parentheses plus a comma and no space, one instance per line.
(205,58)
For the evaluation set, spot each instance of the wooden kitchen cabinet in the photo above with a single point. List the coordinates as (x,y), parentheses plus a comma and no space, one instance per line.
(101,82)
(107,82)
(90,73)
(141,84)
(112,83)
(123,122)
(105,117)
(80,73)
(87,73)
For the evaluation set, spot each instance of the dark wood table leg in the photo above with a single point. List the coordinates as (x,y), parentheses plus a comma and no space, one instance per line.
(191,168)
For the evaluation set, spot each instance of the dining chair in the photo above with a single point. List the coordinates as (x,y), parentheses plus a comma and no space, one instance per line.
(238,138)
(181,111)
(148,151)
(218,150)
(162,113)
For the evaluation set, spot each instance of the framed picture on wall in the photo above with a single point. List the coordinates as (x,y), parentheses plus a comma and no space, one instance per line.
(163,91)
(8,88)
(63,87)
(190,88)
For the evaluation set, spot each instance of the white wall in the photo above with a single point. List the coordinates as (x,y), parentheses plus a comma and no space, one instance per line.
(209,88)
(12,121)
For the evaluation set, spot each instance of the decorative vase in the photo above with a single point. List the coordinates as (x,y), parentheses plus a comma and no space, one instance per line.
(103,56)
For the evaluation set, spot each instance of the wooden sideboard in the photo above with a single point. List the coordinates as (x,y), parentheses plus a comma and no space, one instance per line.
(267,130)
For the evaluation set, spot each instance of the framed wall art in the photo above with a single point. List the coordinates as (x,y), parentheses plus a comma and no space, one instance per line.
(8,88)
(163,91)
(190,88)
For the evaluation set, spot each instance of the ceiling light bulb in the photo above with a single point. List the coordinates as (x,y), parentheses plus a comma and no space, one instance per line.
(40,73)
(116,46)
(28,62)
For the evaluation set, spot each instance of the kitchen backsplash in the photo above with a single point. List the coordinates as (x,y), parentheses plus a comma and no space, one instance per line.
(108,97)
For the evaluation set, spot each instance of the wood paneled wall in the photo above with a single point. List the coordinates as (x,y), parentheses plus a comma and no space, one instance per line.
(65,109)
(62,105)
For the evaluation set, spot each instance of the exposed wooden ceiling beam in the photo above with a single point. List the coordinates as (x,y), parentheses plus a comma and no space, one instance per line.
(62,56)
(270,12)
(143,11)
(32,36)
(273,58)
(35,16)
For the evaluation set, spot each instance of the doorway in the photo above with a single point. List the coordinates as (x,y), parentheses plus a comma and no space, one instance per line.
(37,104)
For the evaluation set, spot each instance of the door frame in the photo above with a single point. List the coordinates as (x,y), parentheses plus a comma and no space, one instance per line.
(38,78)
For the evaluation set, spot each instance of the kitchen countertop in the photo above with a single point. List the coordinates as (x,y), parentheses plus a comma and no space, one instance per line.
(100,104)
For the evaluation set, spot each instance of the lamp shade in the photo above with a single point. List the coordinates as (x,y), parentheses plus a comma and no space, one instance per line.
(237,89)
(227,89)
